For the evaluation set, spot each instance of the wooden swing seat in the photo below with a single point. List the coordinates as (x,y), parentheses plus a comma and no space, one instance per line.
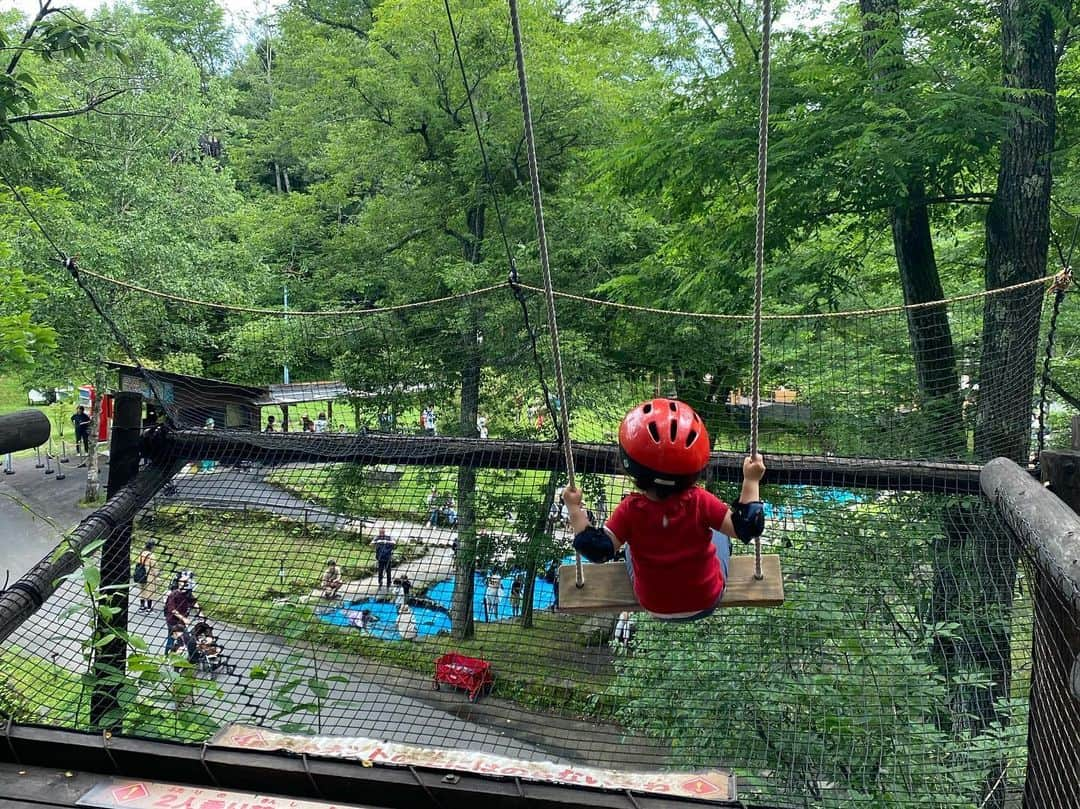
(608,588)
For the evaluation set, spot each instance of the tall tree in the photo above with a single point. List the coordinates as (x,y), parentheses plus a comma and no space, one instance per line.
(1018,225)
(928,327)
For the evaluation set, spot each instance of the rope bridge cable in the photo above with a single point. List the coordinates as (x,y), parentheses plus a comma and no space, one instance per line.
(538,212)
(759,241)
(1047,281)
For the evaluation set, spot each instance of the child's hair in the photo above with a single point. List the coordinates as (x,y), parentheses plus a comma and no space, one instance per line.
(662,491)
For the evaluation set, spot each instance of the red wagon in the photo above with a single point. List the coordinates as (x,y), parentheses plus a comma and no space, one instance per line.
(470,673)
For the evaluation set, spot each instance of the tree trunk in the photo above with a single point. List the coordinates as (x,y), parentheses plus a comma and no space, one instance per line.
(1017,246)
(93,476)
(465,563)
(1017,233)
(928,328)
(532,560)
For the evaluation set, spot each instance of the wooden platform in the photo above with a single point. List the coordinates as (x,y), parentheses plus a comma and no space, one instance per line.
(608,589)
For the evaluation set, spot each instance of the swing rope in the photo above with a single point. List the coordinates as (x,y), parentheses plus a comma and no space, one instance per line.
(759,242)
(759,251)
(545,266)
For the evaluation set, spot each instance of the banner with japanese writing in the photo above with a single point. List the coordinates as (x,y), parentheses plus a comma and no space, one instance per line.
(126,793)
(712,785)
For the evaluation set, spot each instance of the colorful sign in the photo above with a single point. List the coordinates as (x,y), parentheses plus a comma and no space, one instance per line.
(713,785)
(122,793)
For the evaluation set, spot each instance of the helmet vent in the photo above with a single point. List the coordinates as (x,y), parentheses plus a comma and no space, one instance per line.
(674,430)
(647,407)
(673,407)
(654,432)
(691,438)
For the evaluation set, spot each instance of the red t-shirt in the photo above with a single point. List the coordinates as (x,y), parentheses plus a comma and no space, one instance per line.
(675,564)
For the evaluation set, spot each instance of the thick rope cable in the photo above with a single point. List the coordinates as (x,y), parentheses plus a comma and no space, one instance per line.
(545,266)
(292,313)
(1046,281)
(759,243)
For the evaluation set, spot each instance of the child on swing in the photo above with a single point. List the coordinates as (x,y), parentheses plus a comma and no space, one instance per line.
(675,532)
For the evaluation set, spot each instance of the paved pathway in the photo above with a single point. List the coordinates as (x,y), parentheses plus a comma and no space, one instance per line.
(36,509)
(375,700)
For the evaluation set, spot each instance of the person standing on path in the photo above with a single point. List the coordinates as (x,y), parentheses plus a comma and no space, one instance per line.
(517,592)
(403,593)
(180,607)
(491,597)
(82,430)
(384,556)
(428,420)
(147,577)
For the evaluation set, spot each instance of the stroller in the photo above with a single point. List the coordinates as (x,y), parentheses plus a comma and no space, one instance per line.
(209,652)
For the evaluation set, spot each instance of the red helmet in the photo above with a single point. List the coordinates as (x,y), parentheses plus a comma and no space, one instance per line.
(663,438)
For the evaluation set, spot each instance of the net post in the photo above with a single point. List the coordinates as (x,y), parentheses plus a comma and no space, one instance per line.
(110,644)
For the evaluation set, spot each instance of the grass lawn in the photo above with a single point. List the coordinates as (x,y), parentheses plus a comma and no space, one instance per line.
(245,563)
(407,498)
(38,691)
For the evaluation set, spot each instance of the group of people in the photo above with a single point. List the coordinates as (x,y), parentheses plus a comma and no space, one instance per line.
(320,424)
(332,579)
(493,595)
(441,509)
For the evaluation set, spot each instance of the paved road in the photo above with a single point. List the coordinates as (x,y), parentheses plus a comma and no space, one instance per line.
(357,706)
(35,511)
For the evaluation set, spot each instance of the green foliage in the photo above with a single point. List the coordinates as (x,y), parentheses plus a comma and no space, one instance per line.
(789,705)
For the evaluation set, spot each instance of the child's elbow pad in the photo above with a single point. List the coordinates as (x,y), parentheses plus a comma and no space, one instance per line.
(748,519)
(594,545)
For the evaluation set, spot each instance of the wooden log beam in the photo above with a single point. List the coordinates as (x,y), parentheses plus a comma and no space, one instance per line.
(23,429)
(1048,530)
(377,448)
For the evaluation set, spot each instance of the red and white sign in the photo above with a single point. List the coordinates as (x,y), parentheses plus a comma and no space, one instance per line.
(713,785)
(121,793)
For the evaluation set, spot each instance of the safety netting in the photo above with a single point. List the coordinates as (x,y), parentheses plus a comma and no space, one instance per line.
(380,561)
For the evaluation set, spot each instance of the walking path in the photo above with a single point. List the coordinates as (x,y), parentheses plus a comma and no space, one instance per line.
(37,509)
(379,701)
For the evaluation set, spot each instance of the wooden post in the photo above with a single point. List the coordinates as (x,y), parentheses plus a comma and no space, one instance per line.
(1075,424)
(110,643)
(1047,528)
(1061,469)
